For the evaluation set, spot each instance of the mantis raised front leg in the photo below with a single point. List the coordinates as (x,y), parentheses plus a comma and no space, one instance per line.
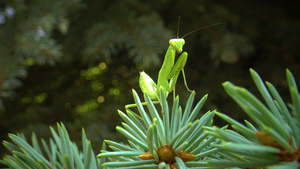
(168,74)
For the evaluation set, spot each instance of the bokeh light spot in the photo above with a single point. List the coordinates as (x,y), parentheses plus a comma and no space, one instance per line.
(101,99)
(102,65)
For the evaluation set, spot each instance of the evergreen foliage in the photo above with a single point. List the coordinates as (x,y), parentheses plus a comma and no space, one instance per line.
(169,139)
(76,61)
(59,152)
(275,135)
(173,139)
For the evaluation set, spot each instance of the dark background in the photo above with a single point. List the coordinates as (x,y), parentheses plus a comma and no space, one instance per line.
(76,61)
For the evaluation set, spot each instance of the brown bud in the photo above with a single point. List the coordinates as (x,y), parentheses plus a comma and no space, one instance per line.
(146,156)
(185,156)
(267,140)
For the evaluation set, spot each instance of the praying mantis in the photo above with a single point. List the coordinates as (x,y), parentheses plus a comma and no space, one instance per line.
(169,72)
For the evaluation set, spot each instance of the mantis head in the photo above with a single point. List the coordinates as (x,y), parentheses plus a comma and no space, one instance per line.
(177,44)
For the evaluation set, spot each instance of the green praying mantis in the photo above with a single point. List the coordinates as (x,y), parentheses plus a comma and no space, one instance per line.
(169,72)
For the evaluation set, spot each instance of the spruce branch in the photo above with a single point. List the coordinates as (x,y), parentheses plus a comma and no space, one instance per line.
(275,141)
(60,152)
(163,140)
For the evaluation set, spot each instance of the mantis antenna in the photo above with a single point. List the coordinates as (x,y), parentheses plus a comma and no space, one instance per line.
(178,24)
(204,27)
(201,28)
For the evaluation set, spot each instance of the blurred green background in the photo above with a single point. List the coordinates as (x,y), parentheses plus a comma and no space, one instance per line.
(76,61)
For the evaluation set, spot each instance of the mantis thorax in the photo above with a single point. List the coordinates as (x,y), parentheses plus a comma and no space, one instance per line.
(177,44)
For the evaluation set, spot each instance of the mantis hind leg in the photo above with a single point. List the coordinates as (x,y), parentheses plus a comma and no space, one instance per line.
(174,80)
(184,80)
(129,106)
